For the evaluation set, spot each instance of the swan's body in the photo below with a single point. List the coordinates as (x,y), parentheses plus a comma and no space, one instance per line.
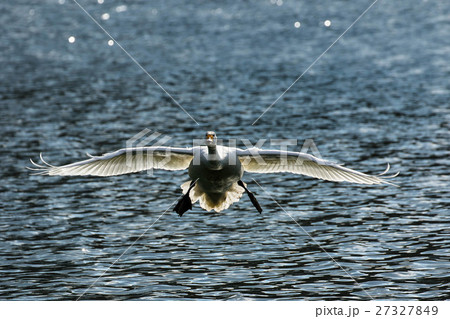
(215,170)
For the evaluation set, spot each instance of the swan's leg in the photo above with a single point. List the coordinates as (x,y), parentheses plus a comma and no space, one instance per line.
(251,196)
(184,203)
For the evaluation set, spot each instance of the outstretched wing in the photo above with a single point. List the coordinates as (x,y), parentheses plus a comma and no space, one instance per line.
(275,161)
(124,161)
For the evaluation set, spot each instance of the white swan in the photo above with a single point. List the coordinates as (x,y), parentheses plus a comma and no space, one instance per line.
(215,170)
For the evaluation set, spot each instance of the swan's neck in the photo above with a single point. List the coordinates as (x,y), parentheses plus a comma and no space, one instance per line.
(214,159)
(212,149)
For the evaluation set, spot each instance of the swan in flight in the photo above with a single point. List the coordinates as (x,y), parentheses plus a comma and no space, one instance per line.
(215,171)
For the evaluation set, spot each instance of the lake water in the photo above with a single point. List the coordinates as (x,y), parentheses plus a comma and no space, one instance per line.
(379,95)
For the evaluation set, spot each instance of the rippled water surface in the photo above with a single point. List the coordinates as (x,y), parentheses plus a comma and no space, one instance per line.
(379,95)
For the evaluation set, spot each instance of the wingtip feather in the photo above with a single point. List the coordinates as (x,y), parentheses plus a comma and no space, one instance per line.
(43,161)
(387,170)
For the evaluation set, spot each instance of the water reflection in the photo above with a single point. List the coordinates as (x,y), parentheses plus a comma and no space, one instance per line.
(363,104)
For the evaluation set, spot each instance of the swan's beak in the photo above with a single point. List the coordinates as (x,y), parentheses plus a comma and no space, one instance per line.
(209,138)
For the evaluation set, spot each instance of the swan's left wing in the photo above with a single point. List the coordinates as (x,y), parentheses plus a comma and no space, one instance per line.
(276,161)
(124,161)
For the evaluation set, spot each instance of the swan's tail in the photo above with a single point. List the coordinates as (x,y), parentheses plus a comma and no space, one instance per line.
(214,201)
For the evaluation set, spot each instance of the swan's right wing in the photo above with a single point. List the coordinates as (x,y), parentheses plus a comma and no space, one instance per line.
(124,161)
(276,161)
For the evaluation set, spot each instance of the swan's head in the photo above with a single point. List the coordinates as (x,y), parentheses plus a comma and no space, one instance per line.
(210,138)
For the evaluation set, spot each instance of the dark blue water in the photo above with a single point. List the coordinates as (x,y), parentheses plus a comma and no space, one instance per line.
(379,95)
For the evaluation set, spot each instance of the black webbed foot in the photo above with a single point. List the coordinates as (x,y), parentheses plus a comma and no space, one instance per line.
(184,204)
(251,196)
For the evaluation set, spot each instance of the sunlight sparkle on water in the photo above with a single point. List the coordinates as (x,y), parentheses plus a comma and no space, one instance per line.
(327,23)
(121,8)
(105,16)
(100,1)
(110,43)
(71,39)
(297,24)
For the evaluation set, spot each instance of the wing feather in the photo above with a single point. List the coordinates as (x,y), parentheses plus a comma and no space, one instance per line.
(123,161)
(277,161)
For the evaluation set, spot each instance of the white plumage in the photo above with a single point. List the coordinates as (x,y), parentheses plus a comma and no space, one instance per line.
(215,170)
(229,197)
